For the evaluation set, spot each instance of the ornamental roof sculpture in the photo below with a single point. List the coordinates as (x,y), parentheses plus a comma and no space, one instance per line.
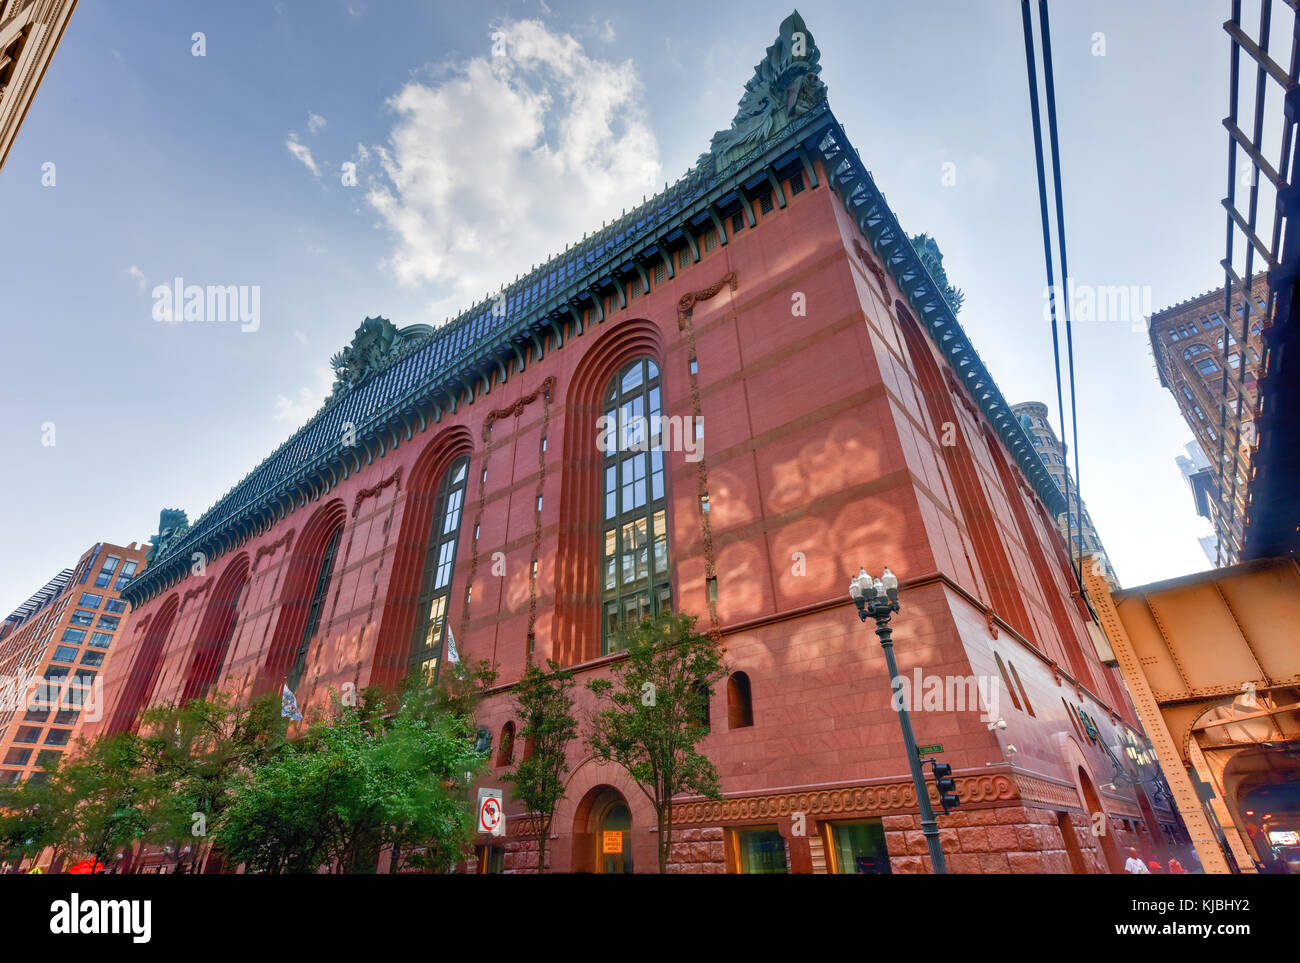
(377,342)
(785,85)
(393,382)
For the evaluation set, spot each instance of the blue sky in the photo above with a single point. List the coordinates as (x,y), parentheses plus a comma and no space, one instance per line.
(226,169)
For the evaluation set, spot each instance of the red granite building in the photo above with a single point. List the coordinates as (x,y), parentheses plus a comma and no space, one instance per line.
(770,307)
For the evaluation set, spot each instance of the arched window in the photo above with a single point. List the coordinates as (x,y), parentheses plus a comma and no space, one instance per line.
(506,751)
(700,705)
(439,564)
(740,705)
(634,566)
(323,575)
(216,630)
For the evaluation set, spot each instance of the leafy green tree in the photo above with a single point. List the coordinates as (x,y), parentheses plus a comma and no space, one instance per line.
(545,706)
(654,713)
(364,780)
(195,756)
(33,817)
(106,806)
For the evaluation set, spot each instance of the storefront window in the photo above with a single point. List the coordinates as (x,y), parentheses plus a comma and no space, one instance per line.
(760,851)
(859,848)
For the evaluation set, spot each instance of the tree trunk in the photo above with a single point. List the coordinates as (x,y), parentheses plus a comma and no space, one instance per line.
(541,846)
(663,849)
(667,832)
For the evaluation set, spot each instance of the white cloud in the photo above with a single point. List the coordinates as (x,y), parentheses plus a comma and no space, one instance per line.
(297,411)
(302,338)
(503,160)
(314,122)
(136,273)
(303,153)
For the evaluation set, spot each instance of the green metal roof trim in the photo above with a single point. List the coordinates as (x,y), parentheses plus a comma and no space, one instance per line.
(427,376)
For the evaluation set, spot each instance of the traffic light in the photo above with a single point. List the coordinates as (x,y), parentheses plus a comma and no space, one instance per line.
(946,785)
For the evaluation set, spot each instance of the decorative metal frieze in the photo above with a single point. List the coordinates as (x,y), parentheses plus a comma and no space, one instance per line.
(194,593)
(282,542)
(518,407)
(877,271)
(685,322)
(394,479)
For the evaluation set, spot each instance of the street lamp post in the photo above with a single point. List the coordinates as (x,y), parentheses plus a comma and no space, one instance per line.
(878,598)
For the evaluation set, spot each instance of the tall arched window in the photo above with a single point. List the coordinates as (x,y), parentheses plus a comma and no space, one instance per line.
(634,566)
(439,564)
(323,575)
(216,630)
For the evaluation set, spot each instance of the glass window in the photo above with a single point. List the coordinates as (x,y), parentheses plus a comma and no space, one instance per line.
(90,600)
(66,717)
(115,605)
(48,758)
(759,851)
(58,737)
(128,571)
(64,653)
(17,757)
(92,658)
(765,203)
(634,565)
(81,617)
(28,734)
(323,575)
(858,848)
(106,573)
(99,640)
(75,636)
(109,622)
(431,628)
(1206,366)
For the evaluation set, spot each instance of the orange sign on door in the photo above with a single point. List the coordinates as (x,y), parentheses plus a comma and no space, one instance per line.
(612,840)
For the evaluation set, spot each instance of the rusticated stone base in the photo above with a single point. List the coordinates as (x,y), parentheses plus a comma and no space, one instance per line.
(1010,839)
(698,851)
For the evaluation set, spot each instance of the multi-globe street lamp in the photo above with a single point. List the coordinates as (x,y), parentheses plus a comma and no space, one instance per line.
(878,598)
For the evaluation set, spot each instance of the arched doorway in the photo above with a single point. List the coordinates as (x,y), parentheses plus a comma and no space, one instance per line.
(602,833)
(1092,803)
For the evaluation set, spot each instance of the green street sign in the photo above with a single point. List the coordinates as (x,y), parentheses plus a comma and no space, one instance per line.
(928,750)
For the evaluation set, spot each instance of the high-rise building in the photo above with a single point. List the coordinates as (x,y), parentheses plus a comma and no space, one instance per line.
(53,649)
(1215,382)
(30,31)
(1199,475)
(721,404)
(1076,524)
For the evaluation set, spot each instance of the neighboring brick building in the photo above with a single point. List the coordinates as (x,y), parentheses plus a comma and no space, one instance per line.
(771,296)
(52,650)
(1217,392)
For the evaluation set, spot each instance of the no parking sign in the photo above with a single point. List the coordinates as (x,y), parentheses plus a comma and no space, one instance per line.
(491,812)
